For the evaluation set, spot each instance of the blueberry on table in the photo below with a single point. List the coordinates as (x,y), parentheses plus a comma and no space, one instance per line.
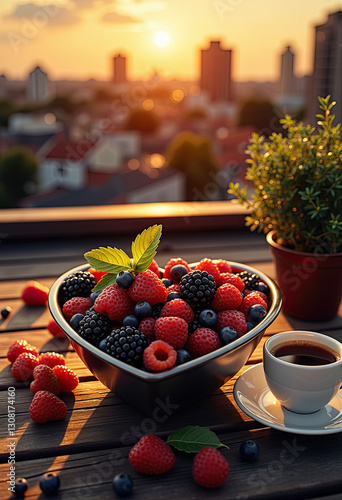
(249,450)
(227,335)
(6,311)
(256,313)
(208,318)
(122,485)
(124,279)
(143,309)
(20,487)
(49,483)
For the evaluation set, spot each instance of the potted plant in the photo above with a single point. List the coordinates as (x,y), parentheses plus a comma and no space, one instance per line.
(297,201)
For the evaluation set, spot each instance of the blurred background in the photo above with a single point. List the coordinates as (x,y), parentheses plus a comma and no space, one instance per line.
(134,101)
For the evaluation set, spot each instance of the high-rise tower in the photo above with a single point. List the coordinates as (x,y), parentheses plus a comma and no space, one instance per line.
(119,69)
(216,72)
(37,85)
(287,86)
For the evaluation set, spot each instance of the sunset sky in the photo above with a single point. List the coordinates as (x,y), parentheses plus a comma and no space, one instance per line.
(76,39)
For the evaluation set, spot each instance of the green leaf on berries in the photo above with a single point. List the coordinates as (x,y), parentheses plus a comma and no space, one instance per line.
(109,260)
(106,280)
(144,247)
(193,438)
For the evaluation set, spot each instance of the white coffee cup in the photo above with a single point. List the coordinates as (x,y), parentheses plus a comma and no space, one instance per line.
(302,388)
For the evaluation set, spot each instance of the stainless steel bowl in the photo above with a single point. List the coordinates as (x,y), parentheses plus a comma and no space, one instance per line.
(180,386)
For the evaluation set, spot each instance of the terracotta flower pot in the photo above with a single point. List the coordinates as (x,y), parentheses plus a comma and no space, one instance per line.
(310,283)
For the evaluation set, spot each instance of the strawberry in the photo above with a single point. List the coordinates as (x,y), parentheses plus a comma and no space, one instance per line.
(233,279)
(67,378)
(154,268)
(18,347)
(250,300)
(146,326)
(227,296)
(147,286)
(174,288)
(223,266)
(172,330)
(210,469)
(34,294)
(45,380)
(151,455)
(174,262)
(46,407)
(76,305)
(22,368)
(203,341)
(97,274)
(55,329)
(233,318)
(178,308)
(51,359)
(159,355)
(115,303)
(211,268)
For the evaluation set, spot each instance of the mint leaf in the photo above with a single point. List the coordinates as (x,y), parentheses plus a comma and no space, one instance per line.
(144,247)
(106,280)
(193,438)
(108,260)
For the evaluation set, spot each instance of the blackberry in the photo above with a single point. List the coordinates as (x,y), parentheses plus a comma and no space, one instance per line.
(250,280)
(94,327)
(198,289)
(194,325)
(79,284)
(156,310)
(127,344)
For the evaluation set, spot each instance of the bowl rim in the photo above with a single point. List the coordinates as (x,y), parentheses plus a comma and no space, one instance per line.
(272,313)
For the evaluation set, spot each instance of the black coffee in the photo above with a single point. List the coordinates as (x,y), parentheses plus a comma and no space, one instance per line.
(301,352)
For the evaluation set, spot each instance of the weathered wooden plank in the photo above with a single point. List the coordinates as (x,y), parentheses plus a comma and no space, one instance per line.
(41,338)
(24,317)
(12,289)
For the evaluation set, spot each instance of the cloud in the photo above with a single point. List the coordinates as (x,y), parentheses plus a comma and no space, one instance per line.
(116,18)
(88,4)
(44,14)
(142,6)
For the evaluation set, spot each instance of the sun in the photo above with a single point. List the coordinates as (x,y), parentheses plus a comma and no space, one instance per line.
(162,38)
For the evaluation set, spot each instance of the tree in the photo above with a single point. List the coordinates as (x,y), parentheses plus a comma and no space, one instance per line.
(18,171)
(193,155)
(259,113)
(144,121)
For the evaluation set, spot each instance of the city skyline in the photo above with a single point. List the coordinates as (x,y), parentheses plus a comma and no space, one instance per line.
(76,39)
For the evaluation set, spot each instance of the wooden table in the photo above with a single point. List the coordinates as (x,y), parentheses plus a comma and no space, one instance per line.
(92,443)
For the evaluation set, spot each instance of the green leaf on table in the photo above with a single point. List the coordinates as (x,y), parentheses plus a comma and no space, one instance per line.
(193,438)
(144,247)
(106,280)
(109,260)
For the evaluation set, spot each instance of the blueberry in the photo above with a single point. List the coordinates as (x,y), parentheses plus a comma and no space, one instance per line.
(249,450)
(143,309)
(182,356)
(208,318)
(103,345)
(177,272)
(173,295)
(256,313)
(124,279)
(167,282)
(49,483)
(122,485)
(6,311)
(227,335)
(262,287)
(20,487)
(93,296)
(130,320)
(75,321)
(250,326)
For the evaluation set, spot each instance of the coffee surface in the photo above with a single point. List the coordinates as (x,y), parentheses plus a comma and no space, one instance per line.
(305,353)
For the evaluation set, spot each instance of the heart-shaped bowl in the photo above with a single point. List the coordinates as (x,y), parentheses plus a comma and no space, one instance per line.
(181,385)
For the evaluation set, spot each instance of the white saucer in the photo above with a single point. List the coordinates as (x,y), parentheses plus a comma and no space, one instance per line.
(253,396)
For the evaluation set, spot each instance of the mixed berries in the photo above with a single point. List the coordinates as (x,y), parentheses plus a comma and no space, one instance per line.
(155,320)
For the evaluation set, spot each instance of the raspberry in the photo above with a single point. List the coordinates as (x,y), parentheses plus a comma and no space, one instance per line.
(55,329)
(34,294)
(97,274)
(210,469)
(251,299)
(159,355)
(18,347)
(262,294)
(227,296)
(174,288)
(233,318)
(67,378)
(233,279)
(174,262)
(45,380)
(154,268)
(172,330)
(151,455)
(178,308)
(114,303)
(76,305)
(146,326)
(147,286)
(211,268)
(22,368)
(51,359)
(203,341)
(46,407)
(223,266)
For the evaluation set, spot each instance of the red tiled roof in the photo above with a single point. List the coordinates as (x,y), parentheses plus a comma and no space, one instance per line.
(70,150)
